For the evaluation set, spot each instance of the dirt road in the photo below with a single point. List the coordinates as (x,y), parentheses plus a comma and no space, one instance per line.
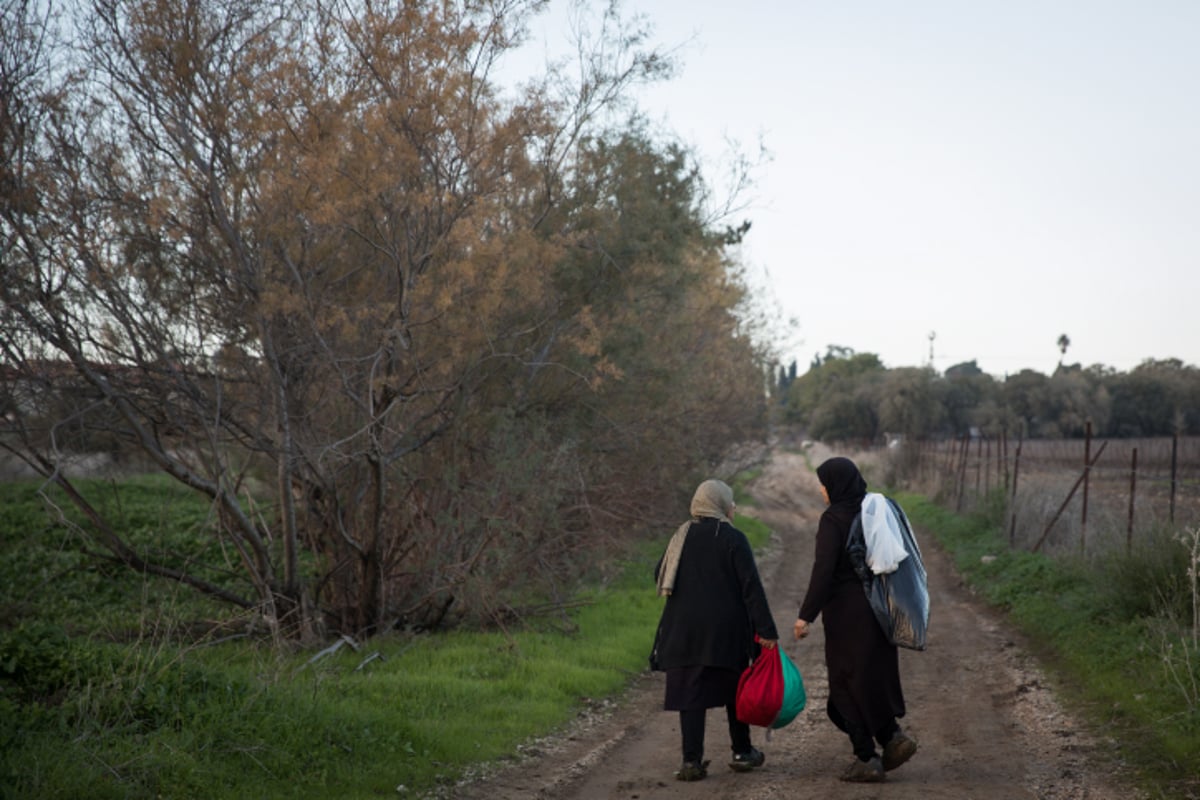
(989,727)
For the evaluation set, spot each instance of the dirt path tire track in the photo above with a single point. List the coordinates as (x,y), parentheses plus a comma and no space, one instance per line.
(988,725)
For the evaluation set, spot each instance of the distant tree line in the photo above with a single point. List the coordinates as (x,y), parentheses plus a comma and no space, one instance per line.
(425,345)
(847,395)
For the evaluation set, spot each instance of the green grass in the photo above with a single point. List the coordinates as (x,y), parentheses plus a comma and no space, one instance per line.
(1100,640)
(239,721)
(740,481)
(756,532)
(104,693)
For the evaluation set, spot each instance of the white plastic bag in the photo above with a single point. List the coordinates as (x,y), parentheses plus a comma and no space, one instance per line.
(881,530)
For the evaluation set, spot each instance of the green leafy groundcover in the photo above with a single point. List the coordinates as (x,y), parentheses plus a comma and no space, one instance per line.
(1108,663)
(102,696)
(84,718)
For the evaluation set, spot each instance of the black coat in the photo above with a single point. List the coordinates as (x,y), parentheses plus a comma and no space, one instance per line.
(864,667)
(717,605)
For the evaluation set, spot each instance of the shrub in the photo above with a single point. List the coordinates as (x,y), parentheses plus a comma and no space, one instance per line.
(1151,580)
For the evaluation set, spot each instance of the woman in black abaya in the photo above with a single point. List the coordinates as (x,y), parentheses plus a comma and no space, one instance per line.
(865,697)
(715,608)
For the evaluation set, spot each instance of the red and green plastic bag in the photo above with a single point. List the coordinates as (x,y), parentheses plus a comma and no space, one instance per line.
(770,691)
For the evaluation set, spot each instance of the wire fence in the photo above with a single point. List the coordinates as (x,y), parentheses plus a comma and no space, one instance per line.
(1087,495)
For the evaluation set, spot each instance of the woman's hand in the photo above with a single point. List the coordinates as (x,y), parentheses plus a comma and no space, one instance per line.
(768,644)
(800,629)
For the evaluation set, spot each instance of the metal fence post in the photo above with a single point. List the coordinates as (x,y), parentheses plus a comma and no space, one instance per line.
(1012,527)
(1132,494)
(1174,472)
(1087,469)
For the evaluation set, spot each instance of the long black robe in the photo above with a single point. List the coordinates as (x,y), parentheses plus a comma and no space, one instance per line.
(864,667)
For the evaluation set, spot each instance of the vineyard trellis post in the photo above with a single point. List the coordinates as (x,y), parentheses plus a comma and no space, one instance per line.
(1003,455)
(1132,495)
(978,466)
(987,466)
(1174,472)
(965,451)
(1070,494)
(1012,527)
(1087,469)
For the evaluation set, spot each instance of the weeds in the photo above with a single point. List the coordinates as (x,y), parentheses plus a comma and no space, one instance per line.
(1104,633)
(1181,653)
(1182,667)
(1191,540)
(1148,581)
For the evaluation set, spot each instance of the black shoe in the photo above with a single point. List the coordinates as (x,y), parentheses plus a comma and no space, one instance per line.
(900,748)
(864,771)
(744,762)
(692,771)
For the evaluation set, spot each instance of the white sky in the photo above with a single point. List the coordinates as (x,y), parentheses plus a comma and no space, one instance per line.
(999,172)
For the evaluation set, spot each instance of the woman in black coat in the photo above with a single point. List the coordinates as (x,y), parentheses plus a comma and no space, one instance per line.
(715,607)
(865,697)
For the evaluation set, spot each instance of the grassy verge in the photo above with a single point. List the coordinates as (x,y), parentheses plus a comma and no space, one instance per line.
(105,691)
(1129,670)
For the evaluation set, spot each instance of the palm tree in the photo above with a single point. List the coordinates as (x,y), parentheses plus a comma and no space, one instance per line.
(1064,342)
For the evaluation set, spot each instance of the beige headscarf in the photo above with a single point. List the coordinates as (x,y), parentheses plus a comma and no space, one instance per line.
(713,498)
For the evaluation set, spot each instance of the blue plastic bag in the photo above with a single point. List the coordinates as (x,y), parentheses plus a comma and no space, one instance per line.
(899,599)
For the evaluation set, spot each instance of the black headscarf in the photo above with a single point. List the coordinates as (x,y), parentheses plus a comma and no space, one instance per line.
(843,481)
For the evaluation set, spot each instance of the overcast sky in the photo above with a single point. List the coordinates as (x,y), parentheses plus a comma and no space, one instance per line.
(996,173)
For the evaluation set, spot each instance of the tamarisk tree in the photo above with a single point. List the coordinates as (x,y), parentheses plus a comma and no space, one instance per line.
(416,339)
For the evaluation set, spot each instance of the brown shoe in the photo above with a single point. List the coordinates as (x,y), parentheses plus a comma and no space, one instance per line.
(864,771)
(692,771)
(900,748)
